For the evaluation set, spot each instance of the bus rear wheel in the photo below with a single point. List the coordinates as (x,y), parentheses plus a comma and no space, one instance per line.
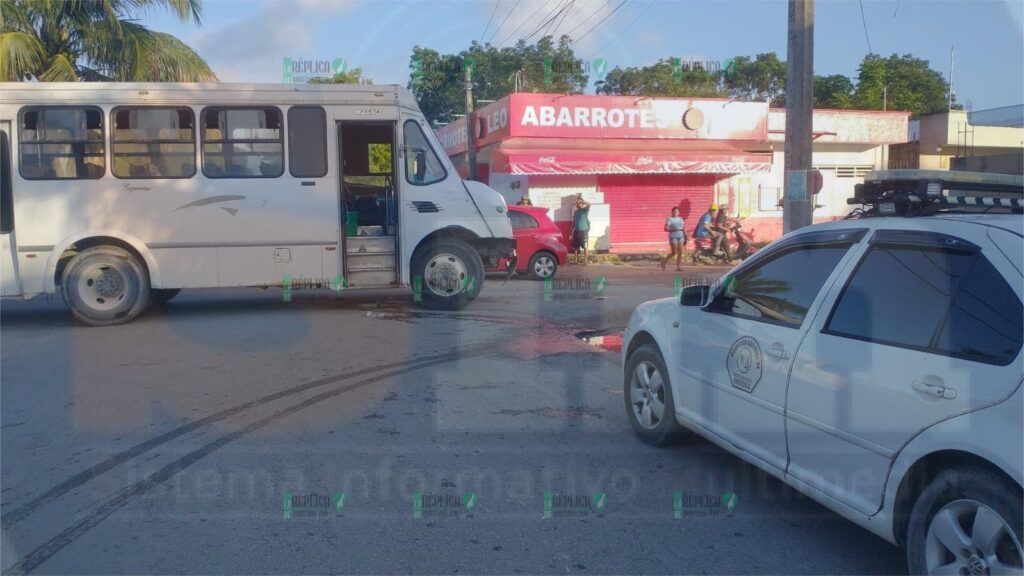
(105,285)
(447,274)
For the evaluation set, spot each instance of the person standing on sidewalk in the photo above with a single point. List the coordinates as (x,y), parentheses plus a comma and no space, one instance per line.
(580,228)
(676,228)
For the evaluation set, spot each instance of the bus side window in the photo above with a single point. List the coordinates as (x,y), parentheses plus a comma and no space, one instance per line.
(149,142)
(242,142)
(61,143)
(422,166)
(307,141)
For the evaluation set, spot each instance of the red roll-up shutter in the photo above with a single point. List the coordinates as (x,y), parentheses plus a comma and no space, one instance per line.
(639,204)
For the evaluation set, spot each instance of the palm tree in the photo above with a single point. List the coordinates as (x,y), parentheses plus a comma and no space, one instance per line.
(69,40)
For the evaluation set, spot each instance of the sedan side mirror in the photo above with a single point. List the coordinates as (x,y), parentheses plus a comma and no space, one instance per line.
(695,296)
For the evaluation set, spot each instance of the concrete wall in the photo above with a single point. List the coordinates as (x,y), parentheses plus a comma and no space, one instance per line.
(1012,163)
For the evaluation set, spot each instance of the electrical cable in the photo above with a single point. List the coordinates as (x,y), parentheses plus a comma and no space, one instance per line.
(603,20)
(505,19)
(864,21)
(623,30)
(489,20)
(521,24)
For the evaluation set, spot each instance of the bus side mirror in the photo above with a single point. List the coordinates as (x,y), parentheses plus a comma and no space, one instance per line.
(695,296)
(416,164)
(421,164)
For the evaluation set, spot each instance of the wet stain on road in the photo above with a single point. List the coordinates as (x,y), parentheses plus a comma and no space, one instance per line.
(574,412)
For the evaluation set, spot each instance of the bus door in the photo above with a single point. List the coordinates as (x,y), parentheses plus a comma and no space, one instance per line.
(8,258)
(369,207)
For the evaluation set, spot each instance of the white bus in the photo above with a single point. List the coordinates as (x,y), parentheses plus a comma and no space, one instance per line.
(121,194)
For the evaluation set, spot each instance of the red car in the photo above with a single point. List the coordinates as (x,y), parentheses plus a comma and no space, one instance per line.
(538,242)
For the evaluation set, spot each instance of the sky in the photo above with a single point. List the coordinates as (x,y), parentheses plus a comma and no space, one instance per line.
(247,40)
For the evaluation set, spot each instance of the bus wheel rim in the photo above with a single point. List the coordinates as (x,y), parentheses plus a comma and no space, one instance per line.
(102,287)
(446,275)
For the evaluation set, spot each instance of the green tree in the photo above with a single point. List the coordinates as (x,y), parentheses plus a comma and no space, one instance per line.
(833,91)
(68,40)
(900,83)
(760,79)
(668,77)
(437,79)
(353,76)
(380,158)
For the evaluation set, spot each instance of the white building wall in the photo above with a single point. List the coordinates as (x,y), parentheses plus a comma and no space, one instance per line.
(842,166)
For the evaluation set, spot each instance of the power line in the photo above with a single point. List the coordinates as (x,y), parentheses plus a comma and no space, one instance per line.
(553,15)
(489,20)
(505,19)
(603,20)
(547,23)
(623,30)
(865,22)
(564,16)
(587,19)
(521,24)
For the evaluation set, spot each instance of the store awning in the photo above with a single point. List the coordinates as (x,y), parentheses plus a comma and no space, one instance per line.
(619,162)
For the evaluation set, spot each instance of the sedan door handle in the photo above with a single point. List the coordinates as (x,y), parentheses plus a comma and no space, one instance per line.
(935,387)
(779,351)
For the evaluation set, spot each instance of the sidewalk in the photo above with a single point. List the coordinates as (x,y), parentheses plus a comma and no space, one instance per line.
(645,261)
(644,271)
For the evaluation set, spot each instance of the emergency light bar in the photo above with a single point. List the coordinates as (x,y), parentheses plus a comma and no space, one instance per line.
(892,192)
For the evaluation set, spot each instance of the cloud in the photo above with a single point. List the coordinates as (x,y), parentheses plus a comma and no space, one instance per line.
(251,49)
(1016,12)
(650,37)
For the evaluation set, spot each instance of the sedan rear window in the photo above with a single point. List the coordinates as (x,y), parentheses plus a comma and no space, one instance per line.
(953,303)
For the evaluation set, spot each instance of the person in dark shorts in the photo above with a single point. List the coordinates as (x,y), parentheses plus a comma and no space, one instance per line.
(676,228)
(580,229)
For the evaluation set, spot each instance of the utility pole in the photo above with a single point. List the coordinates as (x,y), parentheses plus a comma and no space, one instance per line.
(798,200)
(470,124)
(951,92)
(885,97)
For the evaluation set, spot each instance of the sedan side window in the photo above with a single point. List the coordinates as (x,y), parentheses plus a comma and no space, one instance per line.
(923,298)
(780,289)
(899,295)
(986,321)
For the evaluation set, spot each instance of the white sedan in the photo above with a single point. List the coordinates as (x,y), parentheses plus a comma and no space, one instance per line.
(872,364)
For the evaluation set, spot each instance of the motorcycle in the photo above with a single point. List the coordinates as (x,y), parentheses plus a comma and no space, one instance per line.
(705,253)
(744,242)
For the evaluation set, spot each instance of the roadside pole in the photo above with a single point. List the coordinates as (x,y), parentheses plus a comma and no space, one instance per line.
(798,200)
(470,125)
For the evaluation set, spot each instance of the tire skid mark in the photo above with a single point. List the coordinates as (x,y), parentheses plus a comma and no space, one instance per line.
(14,516)
(44,552)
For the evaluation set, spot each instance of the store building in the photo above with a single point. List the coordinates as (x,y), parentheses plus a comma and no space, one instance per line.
(634,158)
(982,141)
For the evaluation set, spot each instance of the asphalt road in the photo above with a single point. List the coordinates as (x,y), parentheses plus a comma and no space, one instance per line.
(405,441)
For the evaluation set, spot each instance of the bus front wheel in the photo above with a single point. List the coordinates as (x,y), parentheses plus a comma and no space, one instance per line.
(105,285)
(447,274)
